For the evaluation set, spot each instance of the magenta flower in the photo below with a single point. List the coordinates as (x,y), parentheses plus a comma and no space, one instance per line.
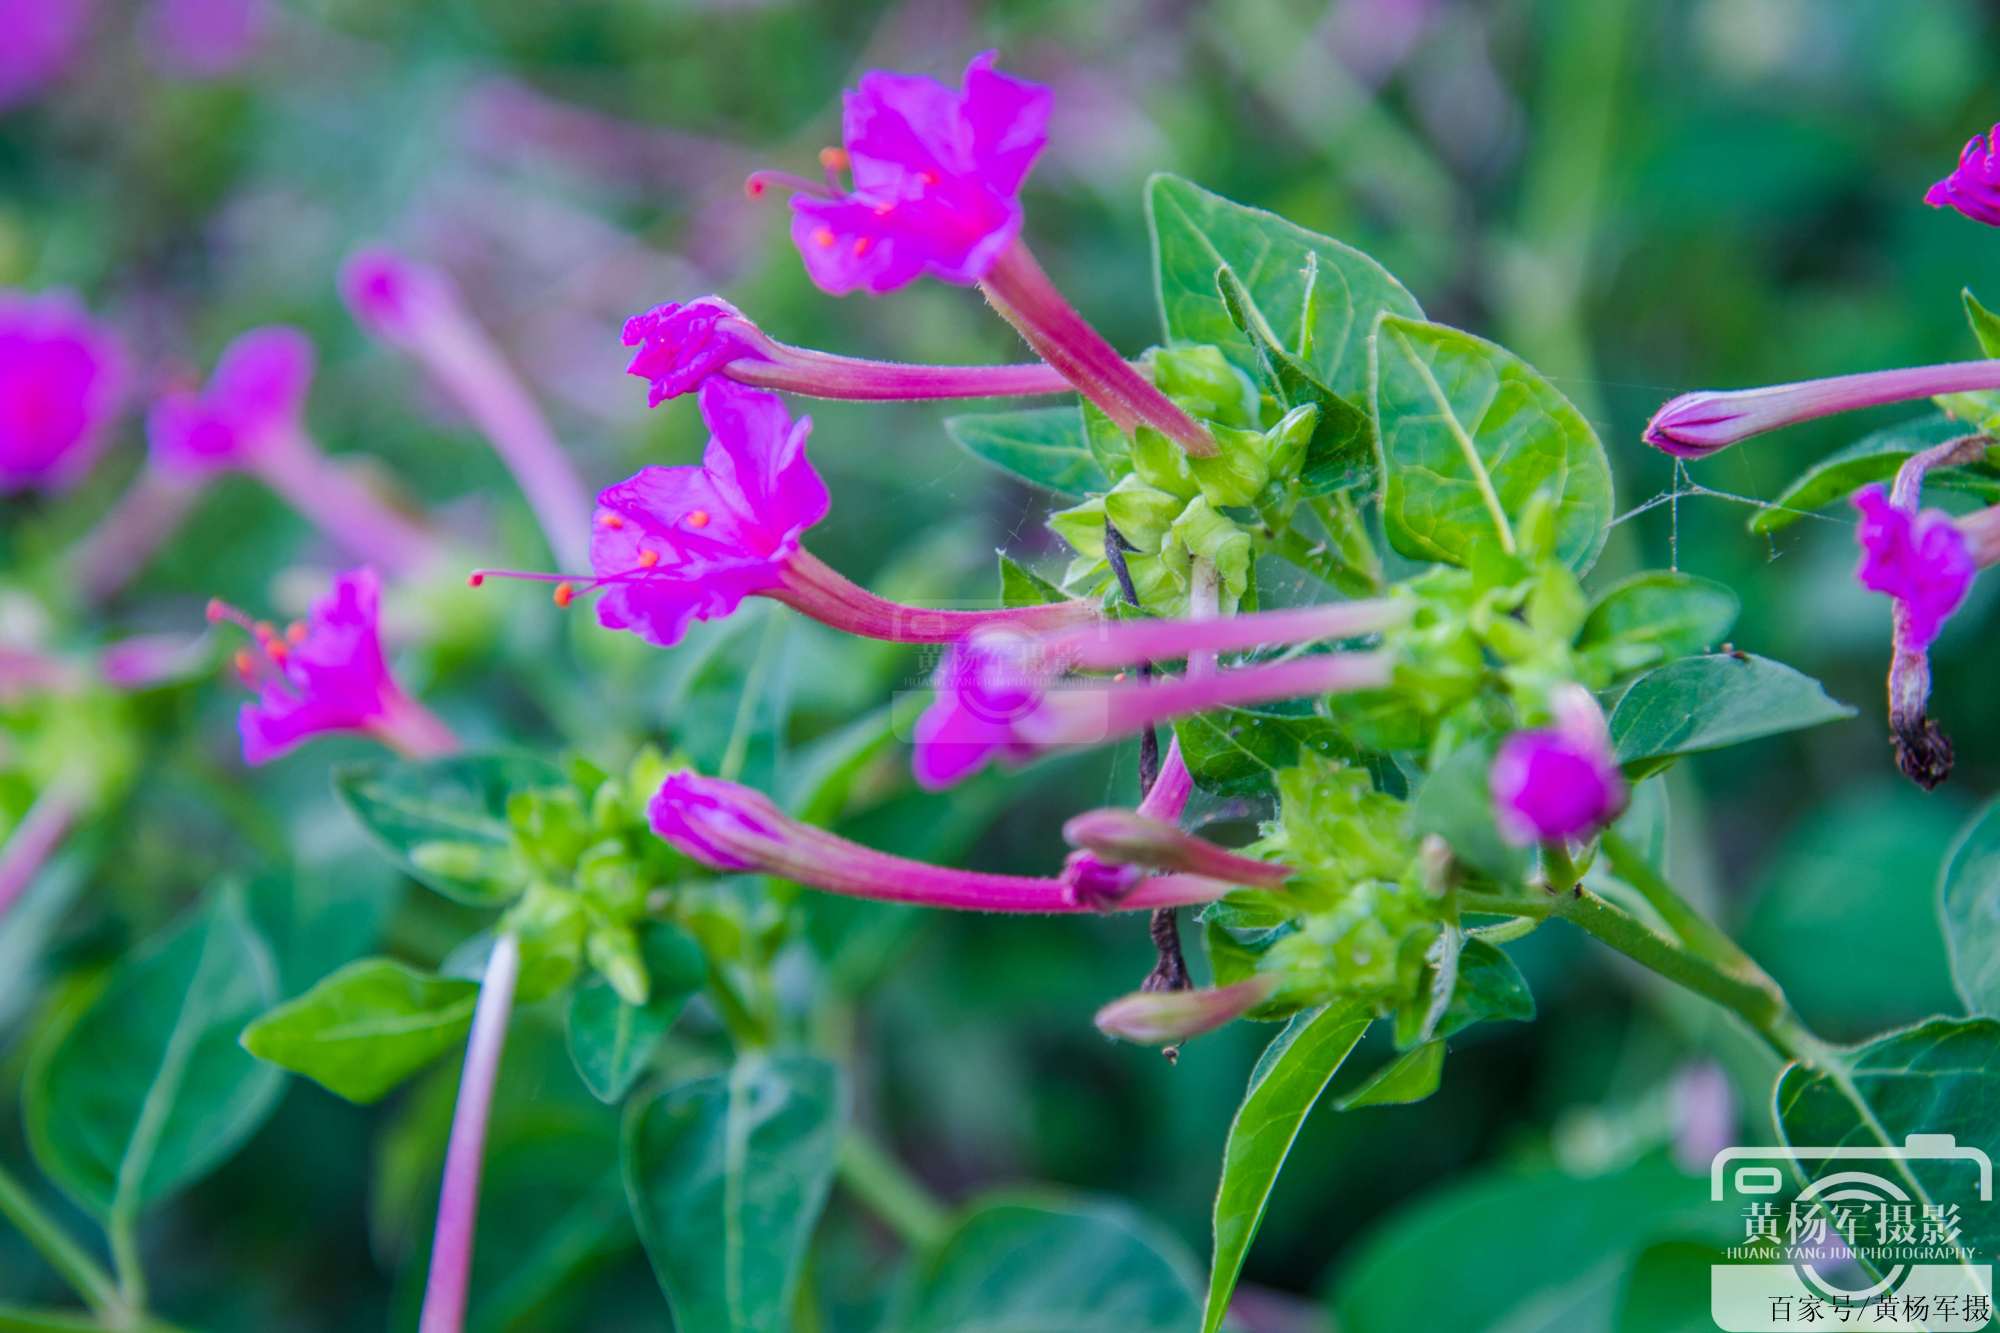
(1920,559)
(205,39)
(673,545)
(43,38)
(255,401)
(1696,425)
(327,674)
(937,176)
(62,380)
(999,694)
(1158,1018)
(1129,837)
(1560,782)
(680,346)
(391,297)
(1091,878)
(1973,187)
(737,829)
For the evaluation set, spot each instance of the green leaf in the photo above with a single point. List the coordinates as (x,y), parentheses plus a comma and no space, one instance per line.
(1456,803)
(1969,904)
(363,1030)
(1021,586)
(1043,446)
(1655,617)
(1490,989)
(1410,1077)
(611,1042)
(1940,1077)
(1705,703)
(1290,1076)
(1341,452)
(1196,232)
(1978,407)
(142,1089)
(445,820)
(726,1177)
(1046,1264)
(1666,1290)
(1469,433)
(1238,751)
(1873,458)
(1985,324)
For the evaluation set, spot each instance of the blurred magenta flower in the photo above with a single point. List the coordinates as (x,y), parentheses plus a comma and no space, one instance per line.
(205,39)
(415,308)
(254,402)
(730,827)
(1156,1018)
(62,381)
(327,674)
(39,41)
(999,695)
(1696,425)
(681,346)
(1559,782)
(1973,187)
(673,545)
(1921,559)
(937,176)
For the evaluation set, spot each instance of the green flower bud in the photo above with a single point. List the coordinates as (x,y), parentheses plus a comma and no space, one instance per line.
(1202,381)
(613,950)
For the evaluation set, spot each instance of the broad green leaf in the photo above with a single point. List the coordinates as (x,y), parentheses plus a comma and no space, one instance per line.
(142,1089)
(1705,703)
(726,1177)
(1237,751)
(1468,434)
(1655,617)
(1490,989)
(445,820)
(1872,458)
(611,1042)
(1940,1077)
(1969,904)
(25,930)
(364,1029)
(1410,1077)
(1021,586)
(1456,803)
(1666,1290)
(1341,452)
(1043,446)
(1289,1078)
(1196,232)
(1046,1264)
(1479,1254)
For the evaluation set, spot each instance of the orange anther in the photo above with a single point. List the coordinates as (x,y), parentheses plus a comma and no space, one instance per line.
(823,237)
(565,594)
(246,665)
(862,245)
(754,187)
(474,580)
(610,520)
(927,178)
(647,559)
(833,159)
(698,518)
(296,632)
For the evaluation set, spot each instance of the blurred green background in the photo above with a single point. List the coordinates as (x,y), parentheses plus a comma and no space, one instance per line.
(1640,198)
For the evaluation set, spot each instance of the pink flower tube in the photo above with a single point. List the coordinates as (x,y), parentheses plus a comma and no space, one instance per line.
(1696,425)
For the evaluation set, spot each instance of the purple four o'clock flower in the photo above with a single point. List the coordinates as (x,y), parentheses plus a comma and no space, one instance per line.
(326,674)
(416,309)
(681,346)
(254,403)
(1973,187)
(1561,782)
(62,381)
(673,545)
(43,39)
(936,178)
(730,827)
(1696,425)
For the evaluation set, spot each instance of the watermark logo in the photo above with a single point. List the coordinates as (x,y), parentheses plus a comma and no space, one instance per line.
(1846,1235)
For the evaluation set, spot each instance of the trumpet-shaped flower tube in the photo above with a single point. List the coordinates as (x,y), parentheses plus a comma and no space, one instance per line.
(1973,187)
(1696,425)
(681,346)
(730,827)
(1559,782)
(673,545)
(1127,837)
(326,674)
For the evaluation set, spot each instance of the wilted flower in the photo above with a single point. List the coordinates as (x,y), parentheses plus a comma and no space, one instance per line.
(1973,187)
(1559,782)
(327,674)
(62,380)
(1921,559)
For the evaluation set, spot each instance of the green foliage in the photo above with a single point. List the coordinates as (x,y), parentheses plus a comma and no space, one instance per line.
(1043,446)
(1875,458)
(613,1041)
(365,1028)
(1969,906)
(1653,618)
(1706,703)
(446,821)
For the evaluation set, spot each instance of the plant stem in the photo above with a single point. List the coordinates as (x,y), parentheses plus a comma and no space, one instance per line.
(121,1229)
(891,1192)
(1681,916)
(83,1273)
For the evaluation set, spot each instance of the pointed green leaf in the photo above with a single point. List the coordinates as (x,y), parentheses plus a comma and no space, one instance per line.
(1021,586)
(726,1177)
(1706,703)
(1969,902)
(1468,434)
(1341,452)
(1290,1076)
(1410,1077)
(1043,446)
(1196,232)
(1872,458)
(445,820)
(364,1029)
(1047,1264)
(1657,616)
(611,1042)
(142,1089)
